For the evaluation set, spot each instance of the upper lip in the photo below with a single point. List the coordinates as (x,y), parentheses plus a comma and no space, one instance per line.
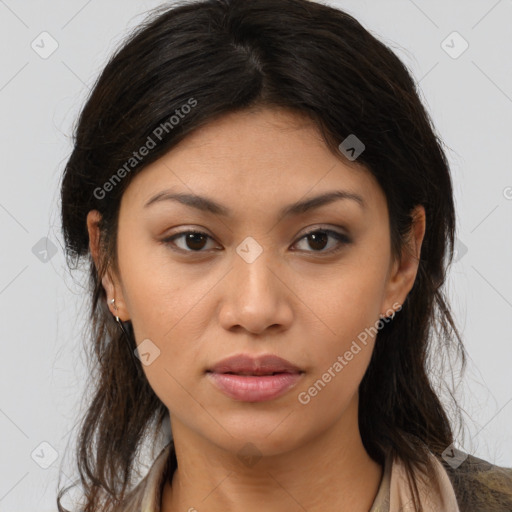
(261,365)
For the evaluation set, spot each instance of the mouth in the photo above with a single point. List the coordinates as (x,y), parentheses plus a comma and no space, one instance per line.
(248,379)
(255,373)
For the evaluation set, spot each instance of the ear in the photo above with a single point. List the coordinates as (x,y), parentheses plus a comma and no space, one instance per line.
(403,273)
(113,289)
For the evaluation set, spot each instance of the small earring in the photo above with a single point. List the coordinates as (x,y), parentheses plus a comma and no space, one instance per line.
(112,301)
(118,320)
(127,337)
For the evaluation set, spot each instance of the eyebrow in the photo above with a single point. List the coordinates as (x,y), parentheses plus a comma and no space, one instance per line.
(209,205)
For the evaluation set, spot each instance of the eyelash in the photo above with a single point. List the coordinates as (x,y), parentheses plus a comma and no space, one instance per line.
(342,239)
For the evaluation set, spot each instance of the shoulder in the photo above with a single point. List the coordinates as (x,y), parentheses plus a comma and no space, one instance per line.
(479,485)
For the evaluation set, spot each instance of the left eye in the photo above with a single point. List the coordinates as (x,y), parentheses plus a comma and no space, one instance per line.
(319,237)
(195,240)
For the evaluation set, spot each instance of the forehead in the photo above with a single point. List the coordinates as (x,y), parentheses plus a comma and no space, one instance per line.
(265,157)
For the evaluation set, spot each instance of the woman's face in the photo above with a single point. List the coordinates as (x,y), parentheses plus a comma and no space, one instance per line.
(253,284)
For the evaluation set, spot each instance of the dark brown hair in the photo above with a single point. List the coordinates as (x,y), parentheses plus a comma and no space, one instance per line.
(231,55)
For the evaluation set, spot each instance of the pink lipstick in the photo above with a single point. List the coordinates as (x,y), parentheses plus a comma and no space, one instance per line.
(254,379)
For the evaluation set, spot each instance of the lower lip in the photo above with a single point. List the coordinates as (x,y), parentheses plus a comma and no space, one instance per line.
(252,388)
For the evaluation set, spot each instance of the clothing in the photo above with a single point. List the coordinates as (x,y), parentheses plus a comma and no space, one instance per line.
(394,494)
(457,488)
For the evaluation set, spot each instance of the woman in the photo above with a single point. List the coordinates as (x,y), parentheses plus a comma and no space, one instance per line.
(268,217)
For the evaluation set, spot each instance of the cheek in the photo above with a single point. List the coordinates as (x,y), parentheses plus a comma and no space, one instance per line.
(166,307)
(159,292)
(347,303)
(342,353)
(348,307)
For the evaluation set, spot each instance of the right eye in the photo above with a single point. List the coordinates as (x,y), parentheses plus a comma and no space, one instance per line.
(194,241)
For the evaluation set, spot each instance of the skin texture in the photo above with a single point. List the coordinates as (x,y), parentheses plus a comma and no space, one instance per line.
(294,300)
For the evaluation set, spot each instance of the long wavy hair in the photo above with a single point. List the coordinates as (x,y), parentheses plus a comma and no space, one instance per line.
(229,55)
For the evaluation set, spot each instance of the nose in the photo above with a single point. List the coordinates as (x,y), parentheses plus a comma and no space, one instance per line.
(255,297)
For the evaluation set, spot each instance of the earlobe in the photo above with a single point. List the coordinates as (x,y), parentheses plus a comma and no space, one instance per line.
(108,282)
(115,299)
(404,273)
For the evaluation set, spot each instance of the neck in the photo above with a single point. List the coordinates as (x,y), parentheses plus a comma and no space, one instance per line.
(331,471)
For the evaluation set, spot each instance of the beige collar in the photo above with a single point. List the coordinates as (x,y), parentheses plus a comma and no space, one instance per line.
(394,494)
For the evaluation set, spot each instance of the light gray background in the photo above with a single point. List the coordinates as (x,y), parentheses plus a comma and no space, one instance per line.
(42,371)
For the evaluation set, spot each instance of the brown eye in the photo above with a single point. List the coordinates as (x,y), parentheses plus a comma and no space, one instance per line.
(194,241)
(319,238)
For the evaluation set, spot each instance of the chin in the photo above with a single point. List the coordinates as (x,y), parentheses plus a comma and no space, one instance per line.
(271,435)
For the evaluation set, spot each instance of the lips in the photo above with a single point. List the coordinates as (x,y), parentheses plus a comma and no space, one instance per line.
(246,365)
(254,379)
